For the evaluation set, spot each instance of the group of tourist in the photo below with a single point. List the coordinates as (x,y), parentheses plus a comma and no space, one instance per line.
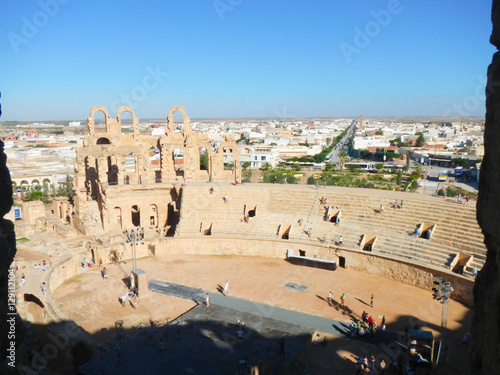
(364,364)
(43,266)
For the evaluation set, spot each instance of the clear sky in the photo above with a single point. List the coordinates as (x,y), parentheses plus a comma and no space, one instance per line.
(244,58)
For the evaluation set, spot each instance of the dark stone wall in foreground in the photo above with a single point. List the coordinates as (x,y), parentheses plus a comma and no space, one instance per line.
(7,252)
(486,320)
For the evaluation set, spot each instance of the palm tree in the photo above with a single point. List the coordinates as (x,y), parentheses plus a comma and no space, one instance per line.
(343,158)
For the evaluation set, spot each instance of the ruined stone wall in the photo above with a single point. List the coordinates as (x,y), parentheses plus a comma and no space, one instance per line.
(486,319)
(111,165)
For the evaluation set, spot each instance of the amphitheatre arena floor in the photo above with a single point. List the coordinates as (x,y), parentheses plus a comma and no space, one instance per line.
(93,303)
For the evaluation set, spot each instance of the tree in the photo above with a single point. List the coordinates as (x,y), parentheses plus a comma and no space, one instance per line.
(296,167)
(343,158)
(246,165)
(204,161)
(379,132)
(399,179)
(420,141)
(266,166)
(365,154)
(379,166)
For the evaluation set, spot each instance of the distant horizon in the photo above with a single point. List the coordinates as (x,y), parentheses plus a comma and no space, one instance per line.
(409,118)
(245,59)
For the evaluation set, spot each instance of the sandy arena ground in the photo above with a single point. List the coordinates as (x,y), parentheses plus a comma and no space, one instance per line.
(94,304)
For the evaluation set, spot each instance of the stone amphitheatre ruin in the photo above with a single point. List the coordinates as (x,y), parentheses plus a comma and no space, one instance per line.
(189,218)
(117,189)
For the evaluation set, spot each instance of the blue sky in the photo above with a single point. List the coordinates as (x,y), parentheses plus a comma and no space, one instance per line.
(244,58)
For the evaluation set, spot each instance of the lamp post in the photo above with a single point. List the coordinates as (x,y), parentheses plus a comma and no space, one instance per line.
(441,291)
(134,236)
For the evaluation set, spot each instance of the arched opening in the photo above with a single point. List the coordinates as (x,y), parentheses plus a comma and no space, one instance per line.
(127,122)
(130,162)
(204,164)
(136,216)
(91,176)
(117,215)
(178,120)
(153,216)
(35,182)
(24,183)
(112,170)
(103,141)
(178,156)
(100,122)
(34,308)
(154,158)
(46,181)
(228,158)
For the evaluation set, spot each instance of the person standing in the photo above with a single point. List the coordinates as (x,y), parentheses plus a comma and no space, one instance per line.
(50,260)
(43,287)
(382,365)
(330,301)
(207,300)
(371,301)
(342,299)
(226,287)
(341,240)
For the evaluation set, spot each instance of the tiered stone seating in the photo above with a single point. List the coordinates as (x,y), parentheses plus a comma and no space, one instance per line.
(279,207)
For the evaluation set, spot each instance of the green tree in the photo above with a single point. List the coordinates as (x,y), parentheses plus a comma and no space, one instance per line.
(246,165)
(204,161)
(399,179)
(420,141)
(343,158)
(379,166)
(296,167)
(266,166)
(379,132)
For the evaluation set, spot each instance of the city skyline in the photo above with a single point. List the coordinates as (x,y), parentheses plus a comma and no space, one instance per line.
(238,59)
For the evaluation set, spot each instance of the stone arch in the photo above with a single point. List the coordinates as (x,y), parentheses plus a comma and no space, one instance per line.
(112,170)
(35,182)
(24,183)
(185,120)
(135,214)
(35,308)
(135,120)
(46,181)
(103,141)
(91,122)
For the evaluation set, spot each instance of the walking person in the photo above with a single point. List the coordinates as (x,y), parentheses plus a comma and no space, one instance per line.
(341,240)
(207,300)
(226,287)
(371,301)
(342,299)
(330,301)
(43,287)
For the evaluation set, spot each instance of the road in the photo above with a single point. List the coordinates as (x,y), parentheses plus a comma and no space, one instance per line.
(342,145)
